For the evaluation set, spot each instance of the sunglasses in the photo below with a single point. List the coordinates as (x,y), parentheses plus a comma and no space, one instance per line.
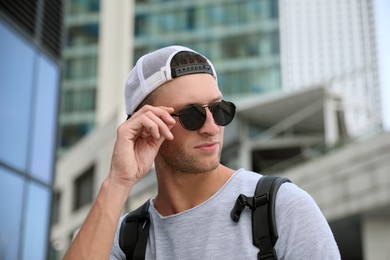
(193,117)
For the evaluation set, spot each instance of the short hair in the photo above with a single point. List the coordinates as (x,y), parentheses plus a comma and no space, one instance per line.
(180,59)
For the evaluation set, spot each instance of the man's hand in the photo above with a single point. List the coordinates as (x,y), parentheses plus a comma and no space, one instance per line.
(138,141)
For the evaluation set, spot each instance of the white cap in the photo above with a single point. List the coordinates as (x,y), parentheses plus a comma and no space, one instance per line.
(153,69)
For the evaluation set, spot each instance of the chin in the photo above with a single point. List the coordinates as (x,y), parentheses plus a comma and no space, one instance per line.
(203,167)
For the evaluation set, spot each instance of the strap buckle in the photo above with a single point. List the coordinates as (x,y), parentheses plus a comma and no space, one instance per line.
(268,255)
(250,202)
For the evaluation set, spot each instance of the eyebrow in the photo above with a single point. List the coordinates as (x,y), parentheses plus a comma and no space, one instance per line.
(182,106)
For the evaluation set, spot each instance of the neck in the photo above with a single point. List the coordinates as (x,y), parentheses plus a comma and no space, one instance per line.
(178,192)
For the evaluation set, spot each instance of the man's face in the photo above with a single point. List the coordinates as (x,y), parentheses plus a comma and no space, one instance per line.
(191,151)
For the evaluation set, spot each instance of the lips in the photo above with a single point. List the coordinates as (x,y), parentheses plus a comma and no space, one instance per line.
(207,146)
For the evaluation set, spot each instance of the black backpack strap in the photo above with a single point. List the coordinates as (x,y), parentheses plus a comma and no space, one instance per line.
(134,233)
(264,230)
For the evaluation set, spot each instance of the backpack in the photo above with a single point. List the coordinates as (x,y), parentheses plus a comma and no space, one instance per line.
(134,231)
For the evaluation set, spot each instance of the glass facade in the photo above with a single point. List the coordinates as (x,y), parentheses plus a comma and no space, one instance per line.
(28,111)
(240,37)
(82,6)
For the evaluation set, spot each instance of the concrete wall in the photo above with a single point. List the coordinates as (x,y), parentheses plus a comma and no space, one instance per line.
(95,149)
(353,184)
(350,180)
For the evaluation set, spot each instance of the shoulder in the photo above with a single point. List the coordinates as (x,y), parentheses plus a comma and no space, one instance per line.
(293,202)
(291,193)
(303,230)
(291,199)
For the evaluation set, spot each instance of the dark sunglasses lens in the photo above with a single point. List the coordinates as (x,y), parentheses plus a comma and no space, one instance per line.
(223,113)
(193,117)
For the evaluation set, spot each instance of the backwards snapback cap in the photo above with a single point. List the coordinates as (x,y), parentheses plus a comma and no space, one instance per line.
(154,69)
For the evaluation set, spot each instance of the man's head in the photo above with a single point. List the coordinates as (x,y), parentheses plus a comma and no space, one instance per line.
(185,80)
(156,68)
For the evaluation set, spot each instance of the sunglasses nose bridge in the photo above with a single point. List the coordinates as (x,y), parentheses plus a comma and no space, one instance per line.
(210,115)
(208,111)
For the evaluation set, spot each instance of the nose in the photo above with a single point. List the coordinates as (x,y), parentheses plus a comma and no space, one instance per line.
(209,127)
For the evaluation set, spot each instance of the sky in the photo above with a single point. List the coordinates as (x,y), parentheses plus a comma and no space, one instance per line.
(382,9)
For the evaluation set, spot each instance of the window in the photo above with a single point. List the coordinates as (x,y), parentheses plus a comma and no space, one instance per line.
(191,18)
(81,67)
(274,9)
(83,6)
(78,100)
(36,228)
(11,208)
(55,208)
(70,134)
(82,35)
(140,24)
(43,138)
(84,188)
(17,74)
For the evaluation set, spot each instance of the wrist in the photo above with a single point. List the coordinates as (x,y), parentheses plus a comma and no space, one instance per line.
(114,192)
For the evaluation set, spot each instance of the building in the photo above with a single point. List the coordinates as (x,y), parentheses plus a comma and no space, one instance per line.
(79,82)
(334,43)
(30,69)
(281,121)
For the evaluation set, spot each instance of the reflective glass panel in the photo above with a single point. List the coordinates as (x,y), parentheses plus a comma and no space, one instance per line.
(37,219)
(16,77)
(45,113)
(11,205)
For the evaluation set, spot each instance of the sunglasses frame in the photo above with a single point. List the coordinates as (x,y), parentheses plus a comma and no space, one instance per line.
(202,109)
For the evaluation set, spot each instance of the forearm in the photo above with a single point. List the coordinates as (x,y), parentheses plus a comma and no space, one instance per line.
(138,141)
(94,240)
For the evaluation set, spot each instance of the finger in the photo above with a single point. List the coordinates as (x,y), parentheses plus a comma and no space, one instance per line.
(158,115)
(160,111)
(150,125)
(159,126)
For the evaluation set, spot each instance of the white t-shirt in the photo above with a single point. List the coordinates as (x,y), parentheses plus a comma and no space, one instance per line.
(207,231)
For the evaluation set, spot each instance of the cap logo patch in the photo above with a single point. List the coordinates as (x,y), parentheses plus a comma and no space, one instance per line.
(191,69)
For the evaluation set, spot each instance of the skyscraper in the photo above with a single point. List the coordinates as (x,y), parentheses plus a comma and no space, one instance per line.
(333,43)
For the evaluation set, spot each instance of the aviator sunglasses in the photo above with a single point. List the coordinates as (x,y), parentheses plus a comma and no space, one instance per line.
(193,117)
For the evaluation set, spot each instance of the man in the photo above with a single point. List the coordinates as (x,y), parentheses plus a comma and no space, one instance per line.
(176,120)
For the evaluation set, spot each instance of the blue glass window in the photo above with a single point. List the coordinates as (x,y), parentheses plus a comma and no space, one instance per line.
(36,228)
(11,206)
(45,113)
(16,66)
